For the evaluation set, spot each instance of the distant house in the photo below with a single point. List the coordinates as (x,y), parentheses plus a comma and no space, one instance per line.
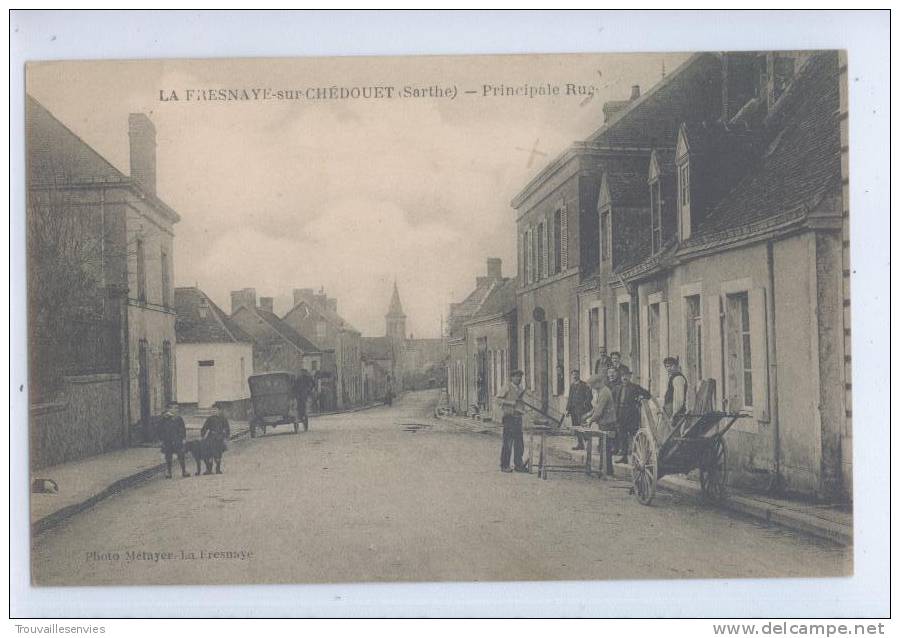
(315,317)
(213,354)
(276,346)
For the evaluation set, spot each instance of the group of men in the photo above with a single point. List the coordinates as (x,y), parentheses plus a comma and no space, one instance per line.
(609,401)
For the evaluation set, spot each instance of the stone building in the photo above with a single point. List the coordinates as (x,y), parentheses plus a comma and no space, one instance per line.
(213,354)
(101,321)
(463,367)
(314,315)
(746,284)
(276,345)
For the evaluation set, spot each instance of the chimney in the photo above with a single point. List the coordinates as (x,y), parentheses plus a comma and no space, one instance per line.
(495,267)
(142,144)
(302,293)
(245,297)
(331,304)
(321,298)
(635,92)
(267,303)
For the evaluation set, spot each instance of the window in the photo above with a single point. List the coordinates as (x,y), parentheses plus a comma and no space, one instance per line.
(526,254)
(141,271)
(243,373)
(693,323)
(322,331)
(655,217)
(502,367)
(740,360)
(526,354)
(166,284)
(605,237)
(625,331)
(557,241)
(560,358)
(315,365)
(684,201)
(541,248)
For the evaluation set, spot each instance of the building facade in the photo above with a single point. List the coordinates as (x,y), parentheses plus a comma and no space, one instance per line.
(213,355)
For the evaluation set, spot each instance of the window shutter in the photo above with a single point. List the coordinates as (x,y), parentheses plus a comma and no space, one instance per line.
(564,237)
(551,246)
(528,260)
(712,345)
(553,356)
(645,347)
(546,251)
(759,353)
(566,364)
(535,273)
(663,342)
(522,258)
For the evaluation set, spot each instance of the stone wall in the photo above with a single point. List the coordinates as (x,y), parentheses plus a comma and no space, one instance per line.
(87,421)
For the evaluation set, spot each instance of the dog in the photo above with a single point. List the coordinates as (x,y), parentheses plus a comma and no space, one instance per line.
(201,450)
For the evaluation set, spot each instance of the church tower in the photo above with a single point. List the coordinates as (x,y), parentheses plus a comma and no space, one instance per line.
(395,320)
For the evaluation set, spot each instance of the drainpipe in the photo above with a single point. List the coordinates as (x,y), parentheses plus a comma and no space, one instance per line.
(776,484)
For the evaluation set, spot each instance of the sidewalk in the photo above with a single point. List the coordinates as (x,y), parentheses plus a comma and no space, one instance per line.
(821,520)
(88,481)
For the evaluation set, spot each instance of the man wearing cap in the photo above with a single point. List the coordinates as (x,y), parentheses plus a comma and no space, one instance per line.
(628,414)
(171,433)
(580,403)
(510,399)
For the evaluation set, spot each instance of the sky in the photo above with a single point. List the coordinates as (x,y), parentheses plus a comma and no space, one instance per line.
(350,195)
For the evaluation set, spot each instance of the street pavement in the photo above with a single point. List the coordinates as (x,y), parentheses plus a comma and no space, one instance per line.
(392,494)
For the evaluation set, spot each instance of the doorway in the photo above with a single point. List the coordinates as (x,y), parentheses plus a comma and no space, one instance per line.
(206,383)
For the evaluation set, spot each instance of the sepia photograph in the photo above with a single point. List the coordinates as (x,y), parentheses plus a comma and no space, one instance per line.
(305,327)
(546,318)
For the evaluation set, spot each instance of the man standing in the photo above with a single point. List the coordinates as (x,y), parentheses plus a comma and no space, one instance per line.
(216,431)
(676,391)
(604,414)
(510,399)
(579,404)
(629,412)
(615,361)
(171,433)
(302,389)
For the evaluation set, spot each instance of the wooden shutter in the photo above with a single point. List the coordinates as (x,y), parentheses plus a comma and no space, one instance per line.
(545,271)
(564,237)
(663,343)
(522,276)
(536,274)
(529,259)
(552,354)
(759,353)
(645,346)
(551,246)
(566,355)
(712,345)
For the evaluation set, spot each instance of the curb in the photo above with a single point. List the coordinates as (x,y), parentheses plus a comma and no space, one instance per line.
(769,514)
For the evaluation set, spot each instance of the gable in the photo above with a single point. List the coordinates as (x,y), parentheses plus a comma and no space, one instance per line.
(682,147)
(654,172)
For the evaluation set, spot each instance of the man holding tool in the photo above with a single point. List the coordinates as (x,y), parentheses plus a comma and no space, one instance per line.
(513,408)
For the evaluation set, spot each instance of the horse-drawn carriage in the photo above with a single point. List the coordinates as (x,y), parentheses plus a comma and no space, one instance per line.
(690,441)
(273,402)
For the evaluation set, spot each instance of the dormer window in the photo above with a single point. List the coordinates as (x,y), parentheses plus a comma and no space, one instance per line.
(655,216)
(682,160)
(604,210)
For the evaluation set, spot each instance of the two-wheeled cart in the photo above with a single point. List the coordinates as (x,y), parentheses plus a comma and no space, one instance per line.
(690,441)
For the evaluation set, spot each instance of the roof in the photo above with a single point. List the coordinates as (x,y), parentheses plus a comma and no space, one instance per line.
(500,300)
(376,347)
(57,156)
(326,313)
(286,331)
(628,189)
(799,159)
(191,326)
(395,309)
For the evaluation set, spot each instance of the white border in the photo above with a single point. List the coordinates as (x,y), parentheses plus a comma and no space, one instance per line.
(66,35)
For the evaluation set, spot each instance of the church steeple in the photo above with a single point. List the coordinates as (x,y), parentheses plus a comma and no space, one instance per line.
(395,320)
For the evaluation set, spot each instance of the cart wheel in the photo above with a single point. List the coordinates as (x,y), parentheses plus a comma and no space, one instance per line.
(296,427)
(643,466)
(713,470)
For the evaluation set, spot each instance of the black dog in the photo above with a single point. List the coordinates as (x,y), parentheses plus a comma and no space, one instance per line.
(201,450)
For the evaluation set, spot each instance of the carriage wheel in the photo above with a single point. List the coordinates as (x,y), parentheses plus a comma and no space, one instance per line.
(643,466)
(713,470)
